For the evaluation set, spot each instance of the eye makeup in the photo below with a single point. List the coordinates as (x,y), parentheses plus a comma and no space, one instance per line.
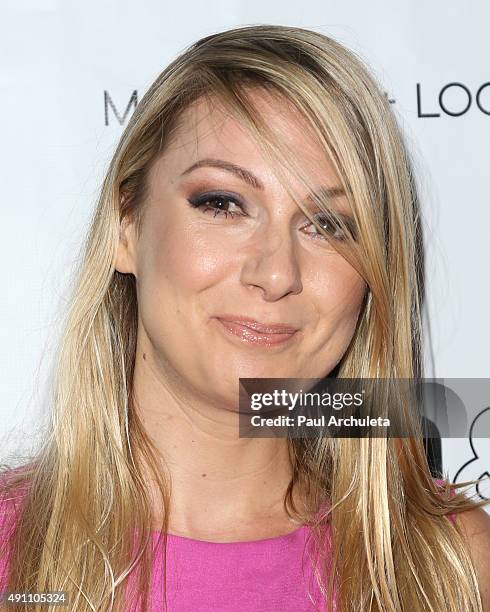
(230,205)
(222,199)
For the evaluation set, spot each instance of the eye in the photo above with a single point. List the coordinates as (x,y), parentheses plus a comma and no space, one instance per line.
(220,203)
(330,226)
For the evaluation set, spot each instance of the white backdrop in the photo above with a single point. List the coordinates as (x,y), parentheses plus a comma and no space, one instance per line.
(71,74)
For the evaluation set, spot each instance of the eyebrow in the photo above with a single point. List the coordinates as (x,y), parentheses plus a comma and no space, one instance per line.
(249,178)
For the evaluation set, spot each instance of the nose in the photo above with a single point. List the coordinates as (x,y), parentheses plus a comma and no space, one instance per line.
(272,265)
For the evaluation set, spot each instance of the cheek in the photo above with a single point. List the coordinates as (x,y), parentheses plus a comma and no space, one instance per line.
(339,292)
(179,266)
(184,263)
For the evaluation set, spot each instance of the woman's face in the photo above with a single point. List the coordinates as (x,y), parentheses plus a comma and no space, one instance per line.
(258,257)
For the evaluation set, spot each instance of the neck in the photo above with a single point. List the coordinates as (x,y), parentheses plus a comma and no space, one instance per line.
(219,481)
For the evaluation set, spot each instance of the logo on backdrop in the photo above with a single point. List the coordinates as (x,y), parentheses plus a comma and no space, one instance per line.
(478,466)
(109,104)
(454,100)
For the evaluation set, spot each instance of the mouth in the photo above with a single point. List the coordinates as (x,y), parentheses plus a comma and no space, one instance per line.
(256,333)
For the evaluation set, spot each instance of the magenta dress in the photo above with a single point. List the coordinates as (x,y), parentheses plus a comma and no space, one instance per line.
(265,575)
(268,575)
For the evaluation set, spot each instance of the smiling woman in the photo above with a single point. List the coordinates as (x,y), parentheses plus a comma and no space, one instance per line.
(264,260)
(258,219)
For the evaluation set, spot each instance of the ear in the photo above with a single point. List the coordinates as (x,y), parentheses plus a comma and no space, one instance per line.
(125,256)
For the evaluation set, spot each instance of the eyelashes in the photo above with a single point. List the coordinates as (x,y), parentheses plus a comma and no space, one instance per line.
(221,199)
(229,206)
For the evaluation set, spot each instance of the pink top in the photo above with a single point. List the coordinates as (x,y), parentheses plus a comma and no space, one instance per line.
(265,575)
(261,575)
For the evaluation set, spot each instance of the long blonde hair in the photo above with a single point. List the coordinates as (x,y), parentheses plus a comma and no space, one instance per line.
(392,547)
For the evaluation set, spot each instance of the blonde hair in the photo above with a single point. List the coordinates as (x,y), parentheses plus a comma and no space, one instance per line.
(85,489)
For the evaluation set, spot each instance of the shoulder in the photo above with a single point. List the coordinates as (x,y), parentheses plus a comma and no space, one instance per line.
(475,525)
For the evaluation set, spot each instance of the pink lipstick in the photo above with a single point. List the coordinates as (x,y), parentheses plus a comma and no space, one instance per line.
(254,332)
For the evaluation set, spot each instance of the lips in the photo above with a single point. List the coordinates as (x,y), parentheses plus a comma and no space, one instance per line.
(265,328)
(254,333)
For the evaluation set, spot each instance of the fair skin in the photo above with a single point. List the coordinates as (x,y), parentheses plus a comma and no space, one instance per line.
(191,266)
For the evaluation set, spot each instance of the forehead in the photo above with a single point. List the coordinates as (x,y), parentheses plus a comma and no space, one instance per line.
(206,129)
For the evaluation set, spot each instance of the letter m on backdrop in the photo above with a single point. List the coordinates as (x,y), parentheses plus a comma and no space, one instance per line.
(133,101)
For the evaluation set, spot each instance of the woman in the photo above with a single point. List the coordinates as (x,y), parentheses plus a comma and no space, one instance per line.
(258,219)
